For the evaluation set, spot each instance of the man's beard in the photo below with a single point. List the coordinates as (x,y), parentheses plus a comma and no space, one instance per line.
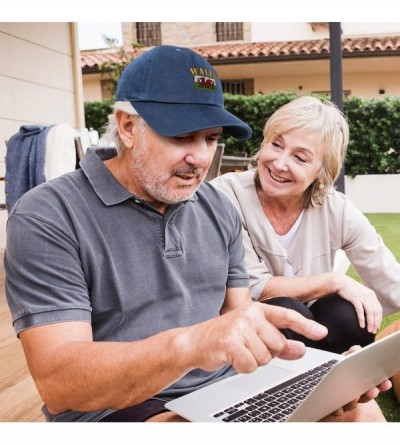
(155,184)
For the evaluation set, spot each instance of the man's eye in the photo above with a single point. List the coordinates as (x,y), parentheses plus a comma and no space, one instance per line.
(182,138)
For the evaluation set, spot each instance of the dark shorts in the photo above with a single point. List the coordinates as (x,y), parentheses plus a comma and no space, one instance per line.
(137,413)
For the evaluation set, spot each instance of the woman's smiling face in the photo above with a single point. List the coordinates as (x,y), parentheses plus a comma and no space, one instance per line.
(289,164)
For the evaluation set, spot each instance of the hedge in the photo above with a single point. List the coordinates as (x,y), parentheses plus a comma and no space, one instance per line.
(374,146)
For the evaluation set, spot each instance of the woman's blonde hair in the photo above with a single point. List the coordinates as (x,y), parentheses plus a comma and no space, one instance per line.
(324,121)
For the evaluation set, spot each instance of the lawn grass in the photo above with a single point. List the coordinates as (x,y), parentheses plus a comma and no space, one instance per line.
(388,226)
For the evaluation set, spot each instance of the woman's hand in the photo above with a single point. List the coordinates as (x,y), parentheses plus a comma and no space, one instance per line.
(363,299)
(366,397)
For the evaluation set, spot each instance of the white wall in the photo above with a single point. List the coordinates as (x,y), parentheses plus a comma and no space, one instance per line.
(364,77)
(285,31)
(92,87)
(40,82)
(374,193)
(362,84)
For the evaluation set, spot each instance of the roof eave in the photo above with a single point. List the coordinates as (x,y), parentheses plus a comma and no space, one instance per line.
(95,69)
(296,57)
(263,59)
(388,53)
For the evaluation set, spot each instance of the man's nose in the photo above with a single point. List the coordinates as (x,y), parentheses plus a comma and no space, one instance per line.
(200,155)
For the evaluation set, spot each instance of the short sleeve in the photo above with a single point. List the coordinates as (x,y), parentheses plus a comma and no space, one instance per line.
(45,282)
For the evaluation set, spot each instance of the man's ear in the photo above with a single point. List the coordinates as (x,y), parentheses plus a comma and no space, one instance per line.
(126,124)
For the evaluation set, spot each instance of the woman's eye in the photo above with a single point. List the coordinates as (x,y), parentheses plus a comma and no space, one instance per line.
(300,158)
(275,144)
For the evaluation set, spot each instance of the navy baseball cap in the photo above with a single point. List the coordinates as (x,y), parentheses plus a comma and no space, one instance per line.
(176,91)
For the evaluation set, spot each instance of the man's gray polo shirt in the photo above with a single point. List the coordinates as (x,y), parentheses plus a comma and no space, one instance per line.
(81,247)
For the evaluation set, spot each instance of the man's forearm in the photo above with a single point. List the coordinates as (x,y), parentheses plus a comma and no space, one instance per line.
(87,376)
(74,373)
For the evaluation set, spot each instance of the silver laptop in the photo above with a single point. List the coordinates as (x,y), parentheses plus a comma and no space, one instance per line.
(303,390)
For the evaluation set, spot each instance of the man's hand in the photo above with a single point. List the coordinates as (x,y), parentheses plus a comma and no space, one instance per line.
(247,338)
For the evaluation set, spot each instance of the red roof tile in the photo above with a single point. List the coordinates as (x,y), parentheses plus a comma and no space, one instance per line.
(228,53)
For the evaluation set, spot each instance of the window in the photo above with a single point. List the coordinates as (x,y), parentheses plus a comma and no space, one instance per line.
(227,31)
(243,86)
(148,33)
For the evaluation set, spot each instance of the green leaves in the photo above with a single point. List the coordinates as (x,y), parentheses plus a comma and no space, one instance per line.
(374,146)
(96,114)
(254,110)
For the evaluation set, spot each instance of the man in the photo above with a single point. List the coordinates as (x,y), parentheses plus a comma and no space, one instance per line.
(126,279)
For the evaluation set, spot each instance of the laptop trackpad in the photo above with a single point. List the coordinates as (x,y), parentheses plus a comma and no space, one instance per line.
(261,379)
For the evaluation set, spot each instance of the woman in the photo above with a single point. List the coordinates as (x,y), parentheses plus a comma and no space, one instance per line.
(294,222)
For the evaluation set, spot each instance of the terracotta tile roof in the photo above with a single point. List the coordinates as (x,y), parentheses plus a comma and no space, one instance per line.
(92,60)
(229,53)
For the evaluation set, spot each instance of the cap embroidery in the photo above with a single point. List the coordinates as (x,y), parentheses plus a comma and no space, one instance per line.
(204,79)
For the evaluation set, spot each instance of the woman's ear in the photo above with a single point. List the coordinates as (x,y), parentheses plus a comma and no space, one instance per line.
(126,124)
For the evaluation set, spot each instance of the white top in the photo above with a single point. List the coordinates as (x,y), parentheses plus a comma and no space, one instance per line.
(322,232)
(285,241)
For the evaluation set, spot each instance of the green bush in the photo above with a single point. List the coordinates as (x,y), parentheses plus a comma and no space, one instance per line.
(96,114)
(374,146)
(254,110)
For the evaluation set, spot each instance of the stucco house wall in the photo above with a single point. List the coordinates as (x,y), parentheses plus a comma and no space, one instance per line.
(40,82)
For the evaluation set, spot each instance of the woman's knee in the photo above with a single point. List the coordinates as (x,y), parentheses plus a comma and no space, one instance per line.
(291,303)
(298,306)
(340,317)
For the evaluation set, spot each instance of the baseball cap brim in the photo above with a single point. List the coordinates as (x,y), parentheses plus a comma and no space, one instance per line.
(171,119)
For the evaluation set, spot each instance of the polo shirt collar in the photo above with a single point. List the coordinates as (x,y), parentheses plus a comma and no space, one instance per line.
(107,188)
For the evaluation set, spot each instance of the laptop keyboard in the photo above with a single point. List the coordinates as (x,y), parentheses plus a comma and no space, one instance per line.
(276,404)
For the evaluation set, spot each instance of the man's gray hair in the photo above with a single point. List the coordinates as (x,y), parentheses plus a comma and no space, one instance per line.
(111,135)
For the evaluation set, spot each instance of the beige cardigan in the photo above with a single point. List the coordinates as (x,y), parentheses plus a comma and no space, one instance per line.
(323,231)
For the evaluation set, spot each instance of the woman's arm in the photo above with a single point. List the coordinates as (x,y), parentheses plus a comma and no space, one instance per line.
(372,260)
(303,288)
(364,300)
